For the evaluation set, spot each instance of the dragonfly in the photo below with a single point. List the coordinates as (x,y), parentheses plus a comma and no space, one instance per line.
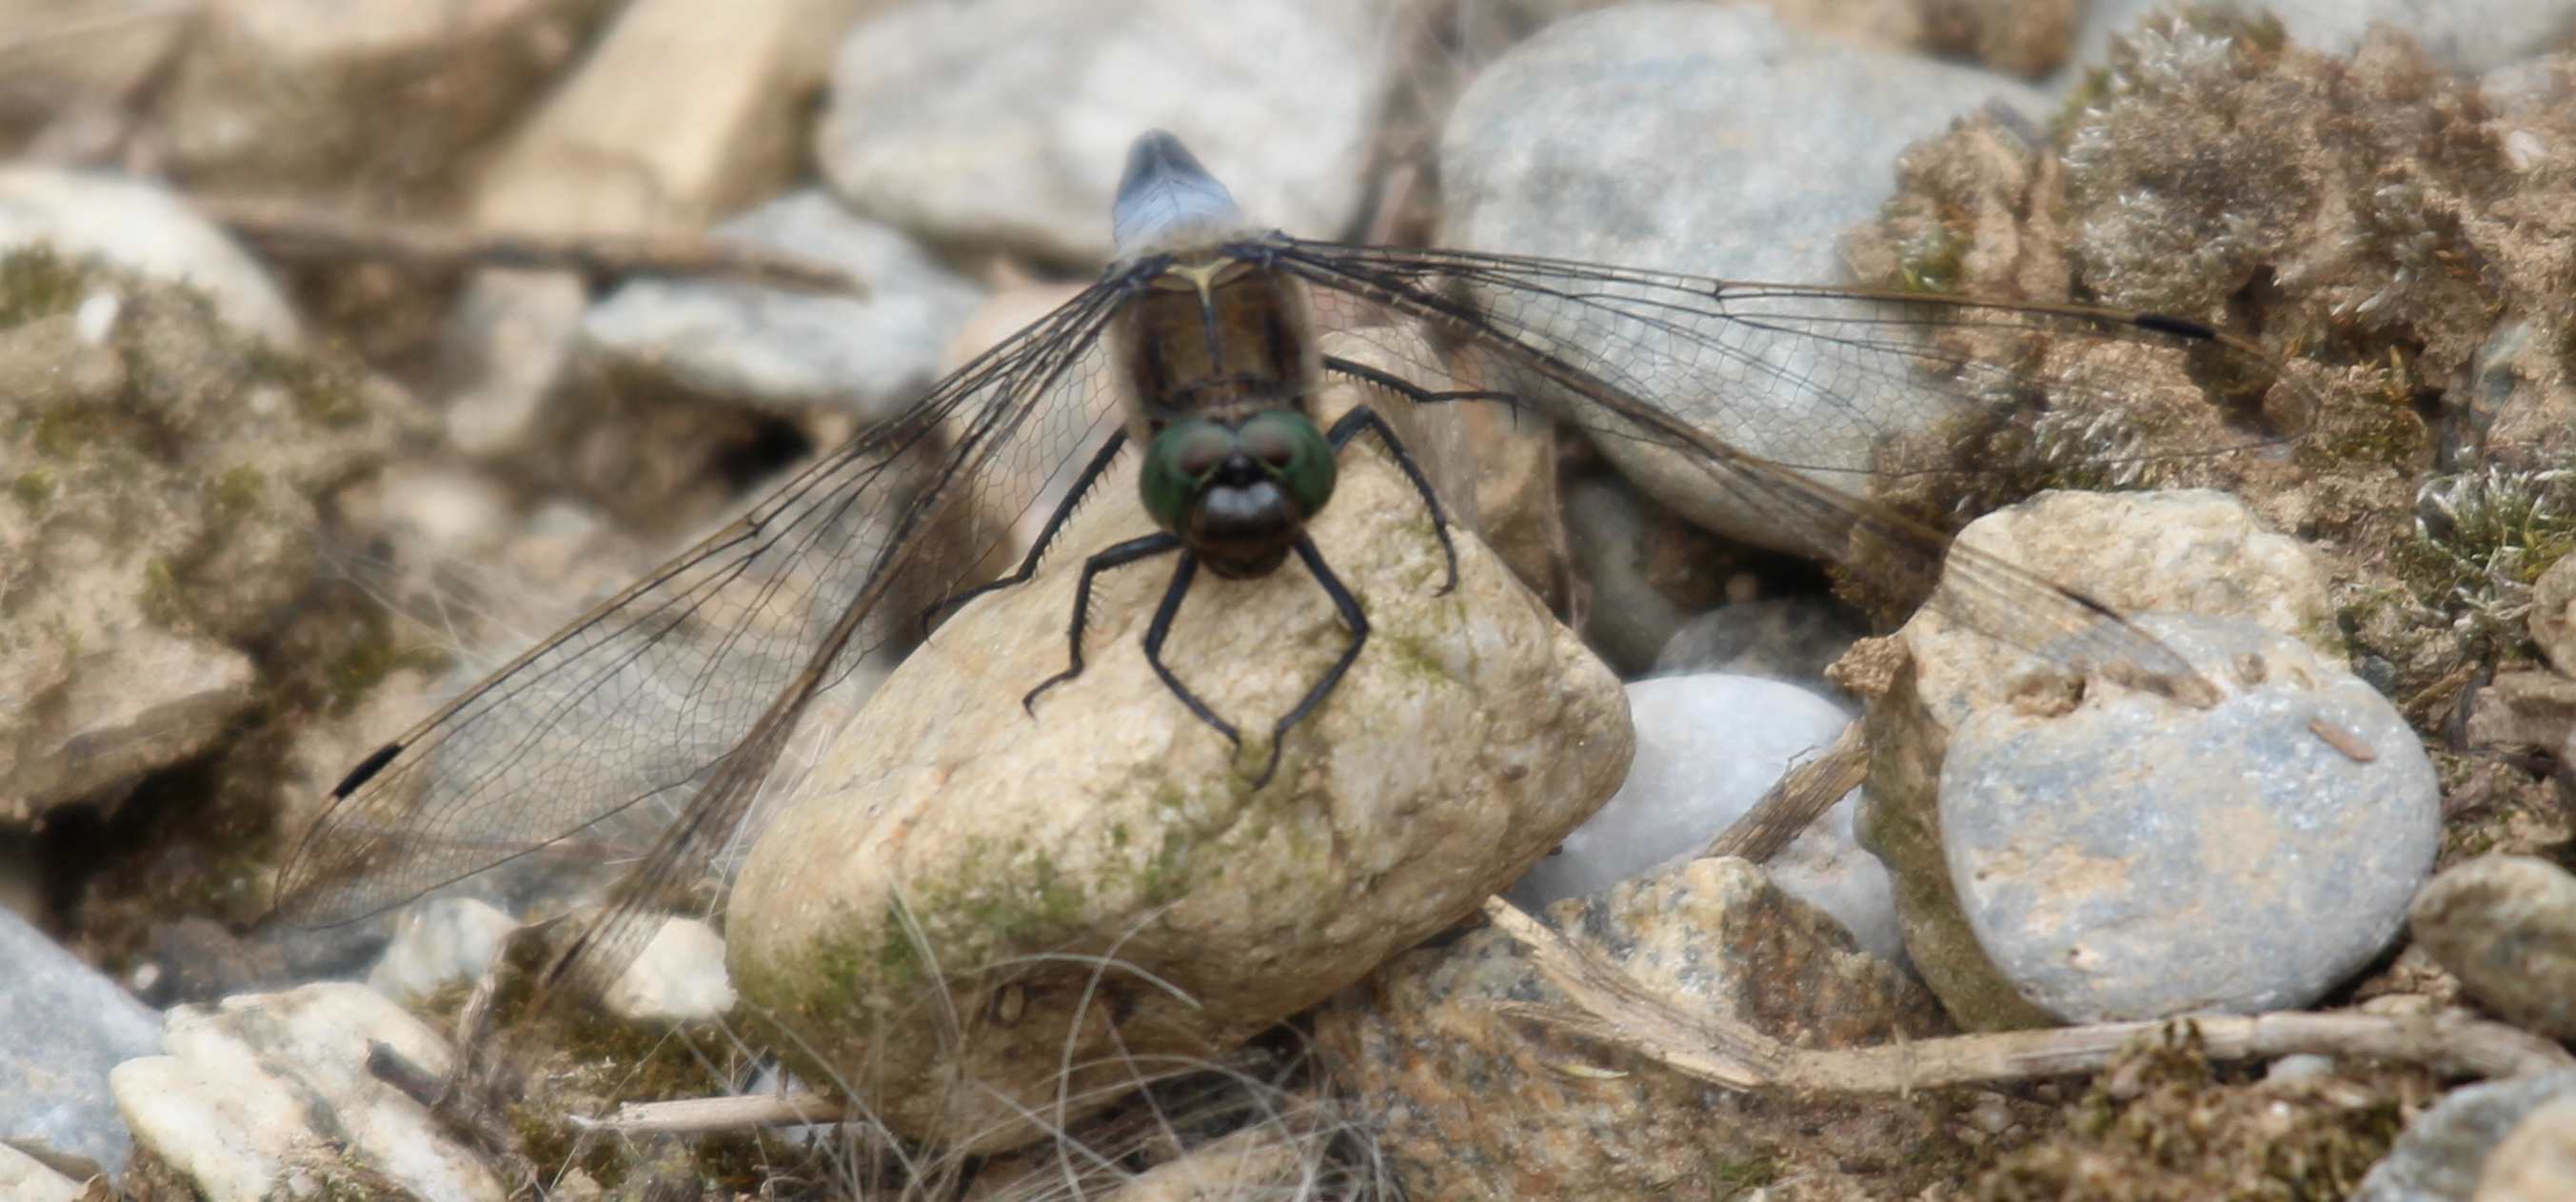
(1198,350)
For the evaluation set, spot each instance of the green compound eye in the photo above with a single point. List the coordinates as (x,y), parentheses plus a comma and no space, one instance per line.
(1181,457)
(1294,451)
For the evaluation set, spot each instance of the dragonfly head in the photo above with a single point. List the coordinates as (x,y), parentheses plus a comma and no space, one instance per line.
(1238,493)
(1167,200)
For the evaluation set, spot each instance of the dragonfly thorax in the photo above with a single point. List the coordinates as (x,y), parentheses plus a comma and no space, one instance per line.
(1216,351)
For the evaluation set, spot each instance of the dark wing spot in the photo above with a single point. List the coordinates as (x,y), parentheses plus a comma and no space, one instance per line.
(366,769)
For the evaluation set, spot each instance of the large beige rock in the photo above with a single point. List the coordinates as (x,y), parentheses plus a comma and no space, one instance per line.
(971,914)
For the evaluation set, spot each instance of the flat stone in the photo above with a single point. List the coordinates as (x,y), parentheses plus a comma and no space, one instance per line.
(952,853)
(1598,140)
(268,1095)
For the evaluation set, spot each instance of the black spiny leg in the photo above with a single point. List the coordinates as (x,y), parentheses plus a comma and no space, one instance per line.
(1414,392)
(1349,607)
(1091,472)
(1364,418)
(1121,555)
(1160,628)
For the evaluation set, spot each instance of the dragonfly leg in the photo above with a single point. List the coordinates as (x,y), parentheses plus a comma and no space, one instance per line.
(1364,418)
(1352,616)
(1414,392)
(1091,473)
(1161,628)
(1117,556)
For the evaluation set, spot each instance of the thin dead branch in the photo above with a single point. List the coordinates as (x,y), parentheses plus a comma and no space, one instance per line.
(294,229)
(703,1116)
(1801,796)
(1611,1006)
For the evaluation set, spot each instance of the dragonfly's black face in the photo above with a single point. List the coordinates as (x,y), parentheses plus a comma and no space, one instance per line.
(1238,493)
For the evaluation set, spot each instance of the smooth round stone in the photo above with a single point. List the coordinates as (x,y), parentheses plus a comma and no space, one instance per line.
(1097,881)
(1708,747)
(1711,140)
(2131,858)
(2506,926)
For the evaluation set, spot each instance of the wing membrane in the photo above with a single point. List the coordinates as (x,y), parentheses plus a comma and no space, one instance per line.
(668,700)
(1773,398)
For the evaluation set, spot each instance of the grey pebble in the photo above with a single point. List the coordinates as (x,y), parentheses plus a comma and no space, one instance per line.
(2506,926)
(787,350)
(2136,859)
(65,1026)
(1712,140)
(2442,1152)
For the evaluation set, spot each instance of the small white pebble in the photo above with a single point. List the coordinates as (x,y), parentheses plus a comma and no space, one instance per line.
(1990,1115)
(2524,149)
(96,317)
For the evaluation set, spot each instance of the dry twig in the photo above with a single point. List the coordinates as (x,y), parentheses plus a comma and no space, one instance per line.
(1801,796)
(701,1116)
(1613,1007)
(296,229)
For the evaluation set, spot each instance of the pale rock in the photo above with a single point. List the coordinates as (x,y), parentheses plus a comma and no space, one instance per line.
(678,977)
(1708,748)
(785,350)
(681,110)
(24,1178)
(2127,858)
(2522,710)
(2553,614)
(2191,551)
(1007,122)
(158,524)
(954,855)
(2444,1151)
(1475,1103)
(1596,139)
(2506,927)
(144,227)
(437,943)
(268,91)
(268,1096)
(2537,1162)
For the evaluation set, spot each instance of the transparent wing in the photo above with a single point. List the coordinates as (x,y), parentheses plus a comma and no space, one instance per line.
(674,696)
(1776,407)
